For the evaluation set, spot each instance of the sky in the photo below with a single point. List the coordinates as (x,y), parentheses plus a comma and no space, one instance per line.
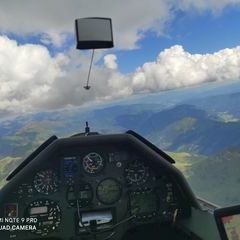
(159,45)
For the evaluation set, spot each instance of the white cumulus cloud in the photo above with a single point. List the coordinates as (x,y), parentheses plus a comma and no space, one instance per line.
(27,73)
(54,20)
(33,80)
(213,5)
(175,68)
(110,61)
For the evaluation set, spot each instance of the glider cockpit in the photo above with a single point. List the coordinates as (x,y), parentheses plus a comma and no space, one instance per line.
(101,187)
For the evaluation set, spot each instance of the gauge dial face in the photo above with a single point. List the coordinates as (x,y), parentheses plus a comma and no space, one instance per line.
(143,204)
(46,182)
(47,213)
(93,163)
(109,191)
(25,190)
(11,210)
(136,173)
(80,195)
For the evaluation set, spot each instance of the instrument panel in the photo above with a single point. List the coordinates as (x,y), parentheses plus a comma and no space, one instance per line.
(47,214)
(93,190)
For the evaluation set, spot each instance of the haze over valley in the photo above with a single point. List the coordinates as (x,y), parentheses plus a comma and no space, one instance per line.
(198,127)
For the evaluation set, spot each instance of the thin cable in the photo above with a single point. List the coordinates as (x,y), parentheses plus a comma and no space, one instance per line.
(117,224)
(87,87)
(175,217)
(110,236)
(107,229)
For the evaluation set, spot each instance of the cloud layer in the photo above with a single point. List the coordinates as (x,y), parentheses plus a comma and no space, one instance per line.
(32,80)
(27,73)
(213,5)
(175,68)
(53,20)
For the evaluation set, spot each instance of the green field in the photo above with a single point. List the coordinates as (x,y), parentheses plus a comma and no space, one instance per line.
(7,165)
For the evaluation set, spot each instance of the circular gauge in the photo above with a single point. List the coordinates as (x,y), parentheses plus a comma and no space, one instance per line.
(109,191)
(46,182)
(136,173)
(144,205)
(25,190)
(80,195)
(47,213)
(93,163)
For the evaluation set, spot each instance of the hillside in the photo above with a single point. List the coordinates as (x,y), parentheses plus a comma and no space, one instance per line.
(220,103)
(184,128)
(6,166)
(214,178)
(204,140)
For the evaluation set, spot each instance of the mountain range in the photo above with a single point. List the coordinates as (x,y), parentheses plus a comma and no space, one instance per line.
(201,131)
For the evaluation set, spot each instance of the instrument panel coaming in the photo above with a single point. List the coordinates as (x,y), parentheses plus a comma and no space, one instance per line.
(88,189)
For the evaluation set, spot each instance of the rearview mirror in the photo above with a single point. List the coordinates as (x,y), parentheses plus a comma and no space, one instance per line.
(228,222)
(94,33)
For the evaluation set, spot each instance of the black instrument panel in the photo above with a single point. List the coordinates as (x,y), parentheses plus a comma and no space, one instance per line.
(92,190)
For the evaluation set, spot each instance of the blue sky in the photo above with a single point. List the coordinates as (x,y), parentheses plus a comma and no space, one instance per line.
(202,33)
(196,32)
